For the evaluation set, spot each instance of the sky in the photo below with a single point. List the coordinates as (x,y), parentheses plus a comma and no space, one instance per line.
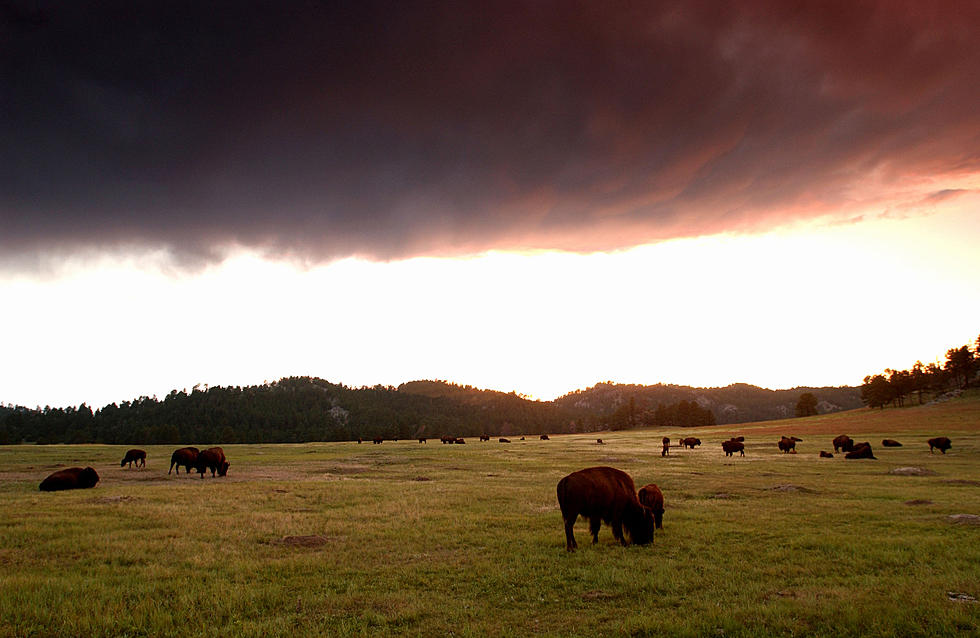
(526,196)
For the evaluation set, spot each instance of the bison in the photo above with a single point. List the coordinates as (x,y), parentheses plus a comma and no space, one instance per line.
(212,459)
(378,440)
(503,440)
(843,442)
(740,439)
(134,456)
(666,450)
(690,442)
(788,443)
(447,439)
(733,446)
(941,443)
(71,478)
(604,494)
(861,451)
(460,441)
(826,455)
(484,437)
(544,437)
(186,456)
(599,442)
(651,496)
(422,439)
(890,443)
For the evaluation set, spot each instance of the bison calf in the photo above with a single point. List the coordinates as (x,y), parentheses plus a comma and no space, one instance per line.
(72,478)
(941,443)
(134,456)
(651,496)
(604,494)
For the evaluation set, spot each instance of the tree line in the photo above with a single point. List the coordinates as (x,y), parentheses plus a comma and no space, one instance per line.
(922,381)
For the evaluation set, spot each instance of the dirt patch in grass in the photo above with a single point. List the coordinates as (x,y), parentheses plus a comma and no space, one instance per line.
(964,519)
(789,487)
(919,501)
(109,500)
(312,540)
(911,471)
(421,478)
(348,468)
(598,594)
(961,482)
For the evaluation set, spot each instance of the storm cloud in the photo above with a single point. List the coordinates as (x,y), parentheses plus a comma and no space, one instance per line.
(389,130)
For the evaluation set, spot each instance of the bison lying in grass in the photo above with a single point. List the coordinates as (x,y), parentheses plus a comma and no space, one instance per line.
(604,494)
(72,478)
(861,451)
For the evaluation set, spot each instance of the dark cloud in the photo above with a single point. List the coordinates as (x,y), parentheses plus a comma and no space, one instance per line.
(322,130)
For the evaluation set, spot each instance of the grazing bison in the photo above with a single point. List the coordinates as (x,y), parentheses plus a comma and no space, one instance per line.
(733,446)
(651,496)
(826,455)
(890,443)
(186,456)
(484,437)
(71,478)
(134,456)
(843,442)
(378,440)
(503,440)
(447,439)
(788,443)
(941,443)
(666,450)
(690,442)
(544,437)
(861,451)
(604,494)
(212,459)
(422,439)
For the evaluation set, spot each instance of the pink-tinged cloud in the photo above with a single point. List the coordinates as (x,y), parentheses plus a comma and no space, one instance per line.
(389,131)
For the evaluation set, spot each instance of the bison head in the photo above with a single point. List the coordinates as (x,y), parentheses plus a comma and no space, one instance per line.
(88,477)
(223,470)
(639,523)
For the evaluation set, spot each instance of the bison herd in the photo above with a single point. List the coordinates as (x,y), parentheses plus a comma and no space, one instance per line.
(190,458)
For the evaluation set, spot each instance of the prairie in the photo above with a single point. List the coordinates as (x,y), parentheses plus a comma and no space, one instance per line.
(341,539)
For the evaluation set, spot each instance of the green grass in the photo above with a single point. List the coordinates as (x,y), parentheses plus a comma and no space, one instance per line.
(467,540)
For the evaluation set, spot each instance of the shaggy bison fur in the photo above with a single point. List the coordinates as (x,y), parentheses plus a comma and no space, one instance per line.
(941,443)
(72,478)
(861,451)
(134,456)
(843,442)
(733,446)
(691,442)
(788,443)
(212,459)
(604,494)
(186,456)
(651,496)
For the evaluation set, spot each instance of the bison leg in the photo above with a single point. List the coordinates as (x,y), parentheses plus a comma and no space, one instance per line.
(594,524)
(570,543)
(617,530)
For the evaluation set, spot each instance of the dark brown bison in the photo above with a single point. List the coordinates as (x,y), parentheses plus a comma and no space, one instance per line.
(212,459)
(843,442)
(503,440)
(861,451)
(890,443)
(544,437)
(788,443)
(422,439)
(690,442)
(826,455)
(134,456)
(460,441)
(186,456)
(359,440)
(740,439)
(378,440)
(71,478)
(941,443)
(484,437)
(666,450)
(599,442)
(447,439)
(604,494)
(651,496)
(731,447)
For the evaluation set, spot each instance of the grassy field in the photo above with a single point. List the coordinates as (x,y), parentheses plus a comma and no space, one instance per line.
(343,539)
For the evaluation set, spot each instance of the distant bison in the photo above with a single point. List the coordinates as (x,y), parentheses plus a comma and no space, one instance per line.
(447,439)
(651,496)
(740,439)
(360,440)
(690,442)
(861,451)
(460,441)
(212,459)
(378,440)
(72,478)
(890,443)
(544,437)
(941,443)
(666,450)
(599,442)
(733,446)
(503,440)
(484,437)
(186,456)
(134,456)
(788,443)
(604,494)
(826,455)
(843,442)
(422,439)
